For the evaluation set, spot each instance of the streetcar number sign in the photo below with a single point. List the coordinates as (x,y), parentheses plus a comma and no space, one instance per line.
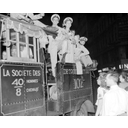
(19,86)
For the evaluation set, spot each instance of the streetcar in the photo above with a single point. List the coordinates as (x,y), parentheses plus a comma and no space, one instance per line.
(26,78)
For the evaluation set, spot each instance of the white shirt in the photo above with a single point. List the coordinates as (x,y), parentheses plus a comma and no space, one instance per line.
(115,102)
(80,50)
(22,15)
(123,85)
(35,17)
(18,15)
(100,94)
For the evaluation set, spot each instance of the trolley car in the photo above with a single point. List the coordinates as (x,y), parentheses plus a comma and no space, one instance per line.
(25,78)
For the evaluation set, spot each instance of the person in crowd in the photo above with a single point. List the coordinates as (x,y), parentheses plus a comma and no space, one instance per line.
(123,78)
(102,89)
(115,101)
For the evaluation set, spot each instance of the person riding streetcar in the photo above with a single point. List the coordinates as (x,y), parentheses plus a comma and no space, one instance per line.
(53,49)
(115,101)
(53,43)
(67,54)
(55,18)
(81,53)
(79,67)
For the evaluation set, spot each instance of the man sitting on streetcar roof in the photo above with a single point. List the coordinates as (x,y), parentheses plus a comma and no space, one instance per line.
(55,18)
(81,53)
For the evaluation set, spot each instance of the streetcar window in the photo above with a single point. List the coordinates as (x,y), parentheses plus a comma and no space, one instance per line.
(22,46)
(31,46)
(22,37)
(0,29)
(23,51)
(37,50)
(3,53)
(18,45)
(30,40)
(13,50)
(12,34)
(31,51)
(0,38)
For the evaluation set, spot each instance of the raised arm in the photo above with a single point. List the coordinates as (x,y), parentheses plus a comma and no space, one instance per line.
(16,15)
(19,16)
(35,17)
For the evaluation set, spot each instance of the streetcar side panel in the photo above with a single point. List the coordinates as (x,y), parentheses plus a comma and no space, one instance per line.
(22,90)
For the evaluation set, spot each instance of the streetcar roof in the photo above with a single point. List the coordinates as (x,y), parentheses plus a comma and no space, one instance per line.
(47,29)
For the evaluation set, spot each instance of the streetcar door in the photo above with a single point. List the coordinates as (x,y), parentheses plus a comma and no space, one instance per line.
(52,94)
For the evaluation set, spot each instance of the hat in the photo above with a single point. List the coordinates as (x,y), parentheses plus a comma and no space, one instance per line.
(55,15)
(67,19)
(83,39)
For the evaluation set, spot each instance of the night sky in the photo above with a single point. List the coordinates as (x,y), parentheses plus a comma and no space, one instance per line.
(80,20)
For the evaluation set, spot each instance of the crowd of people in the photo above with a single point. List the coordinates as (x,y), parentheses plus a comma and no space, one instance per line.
(112,94)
